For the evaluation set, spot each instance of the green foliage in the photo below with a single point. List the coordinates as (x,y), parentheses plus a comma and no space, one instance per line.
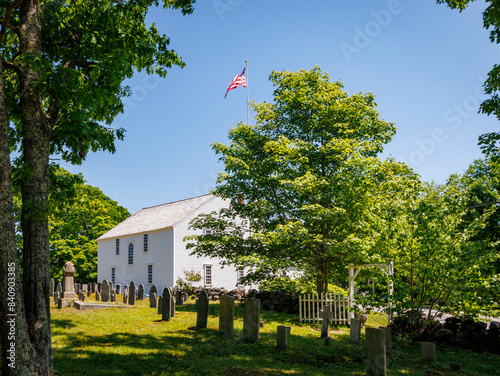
(296,286)
(190,277)
(309,175)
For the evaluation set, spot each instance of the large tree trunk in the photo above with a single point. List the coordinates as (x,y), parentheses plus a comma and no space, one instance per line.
(16,352)
(35,192)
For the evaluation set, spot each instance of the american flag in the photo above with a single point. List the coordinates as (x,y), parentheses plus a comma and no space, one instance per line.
(237,81)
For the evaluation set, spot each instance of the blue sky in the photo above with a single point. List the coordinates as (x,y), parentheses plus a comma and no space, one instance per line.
(424,62)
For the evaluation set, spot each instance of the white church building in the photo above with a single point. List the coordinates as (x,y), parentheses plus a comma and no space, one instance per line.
(148,248)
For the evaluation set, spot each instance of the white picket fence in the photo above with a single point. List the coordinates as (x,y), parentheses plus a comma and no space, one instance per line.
(311,305)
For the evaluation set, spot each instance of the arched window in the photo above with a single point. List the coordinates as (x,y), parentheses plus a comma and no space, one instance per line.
(131,254)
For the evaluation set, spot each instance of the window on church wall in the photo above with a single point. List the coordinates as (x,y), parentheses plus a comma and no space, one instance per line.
(241,274)
(146,242)
(131,253)
(117,244)
(113,274)
(150,273)
(208,275)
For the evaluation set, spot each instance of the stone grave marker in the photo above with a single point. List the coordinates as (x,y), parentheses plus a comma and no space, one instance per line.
(152,300)
(118,289)
(226,316)
(202,306)
(68,294)
(153,289)
(56,297)
(327,315)
(125,298)
(112,296)
(388,338)
(97,296)
(178,297)
(455,366)
(52,287)
(81,296)
(99,287)
(59,288)
(140,294)
(131,293)
(428,351)
(76,288)
(166,303)
(355,331)
(105,291)
(251,319)
(88,292)
(282,336)
(375,352)
(160,304)
(172,306)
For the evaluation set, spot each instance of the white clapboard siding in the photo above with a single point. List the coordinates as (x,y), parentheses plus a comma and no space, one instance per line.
(311,305)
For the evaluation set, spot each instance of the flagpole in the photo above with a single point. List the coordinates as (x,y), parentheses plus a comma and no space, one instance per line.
(246,80)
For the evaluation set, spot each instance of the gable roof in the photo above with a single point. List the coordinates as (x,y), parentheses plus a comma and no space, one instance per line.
(157,217)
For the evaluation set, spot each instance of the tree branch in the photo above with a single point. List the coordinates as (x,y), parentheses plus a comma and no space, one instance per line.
(5,22)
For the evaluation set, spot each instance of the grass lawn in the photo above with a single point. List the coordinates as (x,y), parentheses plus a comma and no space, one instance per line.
(134,341)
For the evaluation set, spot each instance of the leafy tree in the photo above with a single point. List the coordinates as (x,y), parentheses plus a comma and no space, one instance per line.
(62,67)
(308,174)
(440,259)
(491,106)
(74,226)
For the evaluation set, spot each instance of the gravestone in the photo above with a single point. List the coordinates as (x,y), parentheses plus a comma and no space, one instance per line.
(282,336)
(97,296)
(226,316)
(160,304)
(179,297)
(125,298)
(251,319)
(355,331)
(52,287)
(388,338)
(428,351)
(153,289)
(184,296)
(455,366)
(166,303)
(56,297)
(81,296)
(140,294)
(125,290)
(327,315)
(68,294)
(99,287)
(375,352)
(112,297)
(172,306)
(131,293)
(76,288)
(152,300)
(59,288)
(118,289)
(202,315)
(88,292)
(105,290)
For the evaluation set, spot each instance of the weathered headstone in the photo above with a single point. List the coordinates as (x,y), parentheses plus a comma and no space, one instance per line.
(153,289)
(375,352)
(226,316)
(282,333)
(327,315)
(184,296)
(118,289)
(172,306)
(56,297)
(99,287)
(428,351)
(112,297)
(131,293)
(160,304)
(81,296)
(166,303)
(59,288)
(251,319)
(202,315)
(88,292)
(388,338)
(68,295)
(140,294)
(178,298)
(125,298)
(76,288)
(97,296)
(152,300)
(355,331)
(52,287)
(105,290)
